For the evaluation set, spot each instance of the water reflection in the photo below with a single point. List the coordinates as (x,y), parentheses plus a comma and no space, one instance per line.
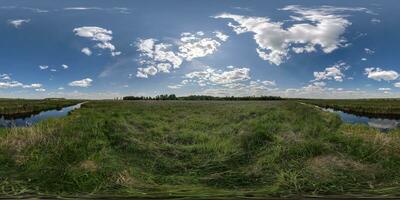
(28,121)
(379,123)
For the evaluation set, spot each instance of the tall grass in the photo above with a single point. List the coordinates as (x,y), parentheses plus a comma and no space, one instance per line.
(198,149)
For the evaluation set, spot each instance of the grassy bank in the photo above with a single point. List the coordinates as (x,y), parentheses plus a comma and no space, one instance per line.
(385,108)
(10,108)
(198,149)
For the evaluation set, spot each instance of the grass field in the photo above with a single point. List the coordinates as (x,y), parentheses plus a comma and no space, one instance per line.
(385,108)
(199,149)
(22,107)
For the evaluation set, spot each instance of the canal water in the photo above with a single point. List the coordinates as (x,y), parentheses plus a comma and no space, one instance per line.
(28,121)
(379,123)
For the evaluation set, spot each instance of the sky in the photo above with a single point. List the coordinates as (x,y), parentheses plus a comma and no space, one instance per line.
(107,49)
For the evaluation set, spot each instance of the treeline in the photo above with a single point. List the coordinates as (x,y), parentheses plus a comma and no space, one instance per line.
(203,98)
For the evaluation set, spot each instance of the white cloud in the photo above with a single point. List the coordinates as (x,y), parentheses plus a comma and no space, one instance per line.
(378,74)
(385,90)
(397,84)
(252,88)
(101,35)
(40,90)
(145,72)
(369,51)
(34,85)
(81,83)
(375,21)
(175,86)
(10,84)
(82,8)
(43,67)
(86,51)
(121,10)
(5,77)
(18,22)
(212,76)
(364,59)
(221,36)
(269,83)
(193,46)
(64,66)
(158,57)
(61,88)
(7,82)
(316,27)
(332,73)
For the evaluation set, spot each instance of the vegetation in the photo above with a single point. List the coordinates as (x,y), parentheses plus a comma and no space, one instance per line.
(385,108)
(11,108)
(203,97)
(198,149)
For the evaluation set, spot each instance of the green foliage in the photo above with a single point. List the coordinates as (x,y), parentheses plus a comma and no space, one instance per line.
(204,149)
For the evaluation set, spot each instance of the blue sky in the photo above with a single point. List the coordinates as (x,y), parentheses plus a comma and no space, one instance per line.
(107,49)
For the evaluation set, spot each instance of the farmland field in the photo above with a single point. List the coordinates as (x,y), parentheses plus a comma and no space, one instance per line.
(198,149)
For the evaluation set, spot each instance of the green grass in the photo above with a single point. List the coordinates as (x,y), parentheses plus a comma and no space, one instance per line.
(198,149)
(24,107)
(386,108)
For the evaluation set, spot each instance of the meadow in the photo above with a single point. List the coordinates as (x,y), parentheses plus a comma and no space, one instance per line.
(381,108)
(198,149)
(10,108)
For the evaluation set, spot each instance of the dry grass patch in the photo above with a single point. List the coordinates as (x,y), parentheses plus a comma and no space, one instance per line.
(291,137)
(89,165)
(325,166)
(16,140)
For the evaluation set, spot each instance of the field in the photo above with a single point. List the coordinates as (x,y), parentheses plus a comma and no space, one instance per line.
(21,107)
(385,108)
(199,149)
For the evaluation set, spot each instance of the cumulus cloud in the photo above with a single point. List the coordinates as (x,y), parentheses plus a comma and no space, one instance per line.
(81,83)
(162,57)
(100,35)
(7,82)
(332,73)
(64,66)
(5,77)
(43,67)
(252,88)
(18,22)
(369,51)
(86,51)
(193,46)
(212,76)
(378,74)
(10,84)
(375,21)
(145,72)
(34,85)
(397,84)
(221,36)
(313,27)
(385,90)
